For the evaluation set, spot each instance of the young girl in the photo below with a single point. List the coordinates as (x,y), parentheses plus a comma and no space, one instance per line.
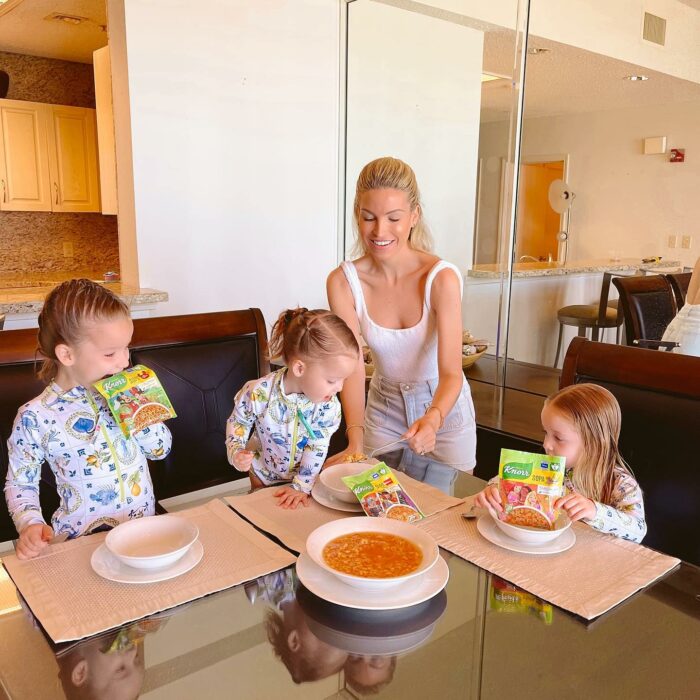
(582,423)
(294,410)
(102,477)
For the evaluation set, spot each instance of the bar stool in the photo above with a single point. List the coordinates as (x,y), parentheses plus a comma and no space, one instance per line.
(597,317)
(2,321)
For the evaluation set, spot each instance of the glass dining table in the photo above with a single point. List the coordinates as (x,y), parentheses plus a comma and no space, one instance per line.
(271,638)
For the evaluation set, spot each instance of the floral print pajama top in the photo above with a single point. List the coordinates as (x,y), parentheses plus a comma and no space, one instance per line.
(102,477)
(290,452)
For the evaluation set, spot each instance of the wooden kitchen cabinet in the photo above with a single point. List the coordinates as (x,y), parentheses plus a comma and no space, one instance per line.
(48,158)
(25,183)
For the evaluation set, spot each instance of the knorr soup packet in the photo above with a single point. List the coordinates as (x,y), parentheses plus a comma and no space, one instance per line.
(529,485)
(504,597)
(136,398)
(381,495)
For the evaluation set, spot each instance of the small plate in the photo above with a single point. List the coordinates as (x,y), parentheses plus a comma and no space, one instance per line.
(322,495)
(105,564)
(488,528)
(332,589)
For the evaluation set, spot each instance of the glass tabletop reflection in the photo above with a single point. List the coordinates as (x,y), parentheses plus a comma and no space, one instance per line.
(481,637)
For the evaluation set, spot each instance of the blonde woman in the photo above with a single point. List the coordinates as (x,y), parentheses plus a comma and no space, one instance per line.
(406,304)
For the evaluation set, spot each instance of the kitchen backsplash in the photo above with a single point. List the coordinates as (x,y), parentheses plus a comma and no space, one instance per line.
(31,244)
(48,80)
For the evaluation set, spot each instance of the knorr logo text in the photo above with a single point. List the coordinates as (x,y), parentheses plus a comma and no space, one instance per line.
(114,383)
(517,471)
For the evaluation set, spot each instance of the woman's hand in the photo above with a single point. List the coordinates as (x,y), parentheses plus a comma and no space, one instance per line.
(242,460)
(291,498)
(422,434)
(32,540)
(490,498)
(576,506)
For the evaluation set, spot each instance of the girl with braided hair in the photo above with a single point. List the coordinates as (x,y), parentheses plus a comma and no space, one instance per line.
(294,410)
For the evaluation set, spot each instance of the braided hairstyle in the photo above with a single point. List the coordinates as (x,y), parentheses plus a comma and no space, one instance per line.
(67,308)
(311,335)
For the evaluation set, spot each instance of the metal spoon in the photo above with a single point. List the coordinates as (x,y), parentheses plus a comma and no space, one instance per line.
(383,447)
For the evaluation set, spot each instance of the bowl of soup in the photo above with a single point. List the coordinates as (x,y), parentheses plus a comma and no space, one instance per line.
(332,479)
(372,553)
(528,532)
(152,542)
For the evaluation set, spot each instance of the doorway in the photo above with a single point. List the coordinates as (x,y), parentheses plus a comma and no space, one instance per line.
(537,223)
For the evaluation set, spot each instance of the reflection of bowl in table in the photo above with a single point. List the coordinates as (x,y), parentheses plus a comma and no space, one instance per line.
(533,535)
(152,542)
(371,632)
(332,479)
(324,534)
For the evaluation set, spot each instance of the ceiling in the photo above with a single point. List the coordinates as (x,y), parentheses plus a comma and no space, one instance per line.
(691,3)
(24,29)
(570,80)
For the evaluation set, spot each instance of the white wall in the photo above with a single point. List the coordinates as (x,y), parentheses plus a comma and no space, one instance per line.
(625,201)
(414,91)
(234,109)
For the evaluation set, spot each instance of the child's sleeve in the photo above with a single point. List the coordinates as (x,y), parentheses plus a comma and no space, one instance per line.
(155,441)
(624,517)
(25,457)
(242,419)
(314,453)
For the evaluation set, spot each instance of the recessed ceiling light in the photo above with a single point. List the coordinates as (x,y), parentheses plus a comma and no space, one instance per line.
(536,50)
(636,77)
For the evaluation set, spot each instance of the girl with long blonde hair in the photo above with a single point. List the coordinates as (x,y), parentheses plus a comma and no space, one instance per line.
(582,423)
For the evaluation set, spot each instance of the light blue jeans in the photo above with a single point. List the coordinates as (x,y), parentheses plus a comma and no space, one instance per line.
(393,406)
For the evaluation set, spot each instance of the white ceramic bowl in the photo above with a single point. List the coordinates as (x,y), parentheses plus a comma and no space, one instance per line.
(533,535)
(332,479)
(153,542)
(321,536)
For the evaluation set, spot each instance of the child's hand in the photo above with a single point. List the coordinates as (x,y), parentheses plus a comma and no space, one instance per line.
(576,506)
(291,498)
(32,540)
(242,460)
(489,498)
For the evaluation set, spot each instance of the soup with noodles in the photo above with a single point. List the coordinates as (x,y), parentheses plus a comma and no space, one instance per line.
(372,555)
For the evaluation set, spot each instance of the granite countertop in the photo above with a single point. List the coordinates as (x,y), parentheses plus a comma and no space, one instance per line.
(29,298)
(554,269)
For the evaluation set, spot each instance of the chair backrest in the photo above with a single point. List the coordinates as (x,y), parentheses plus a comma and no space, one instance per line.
(202,360)
(679,281)
(659,395)
(648,306)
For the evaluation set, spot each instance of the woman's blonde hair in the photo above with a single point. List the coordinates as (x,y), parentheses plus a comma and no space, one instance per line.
(391,174)
(311,335)
(595,414)
(66,309)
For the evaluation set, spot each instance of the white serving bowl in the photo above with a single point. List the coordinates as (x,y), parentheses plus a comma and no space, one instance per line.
(152,542)
(533,535)
(332,479)
(321,536)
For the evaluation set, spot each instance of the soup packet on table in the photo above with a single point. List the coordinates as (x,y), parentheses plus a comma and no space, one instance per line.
(529,485)
(381,495)
(136,398)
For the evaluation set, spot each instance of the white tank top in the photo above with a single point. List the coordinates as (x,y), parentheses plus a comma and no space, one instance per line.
(401,354)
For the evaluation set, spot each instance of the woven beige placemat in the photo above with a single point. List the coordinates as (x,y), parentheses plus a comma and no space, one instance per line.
(292,527)
(596,574)
(71,601)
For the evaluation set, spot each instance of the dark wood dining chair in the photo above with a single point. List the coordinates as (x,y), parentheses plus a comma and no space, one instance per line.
(679,281)
(648,306)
